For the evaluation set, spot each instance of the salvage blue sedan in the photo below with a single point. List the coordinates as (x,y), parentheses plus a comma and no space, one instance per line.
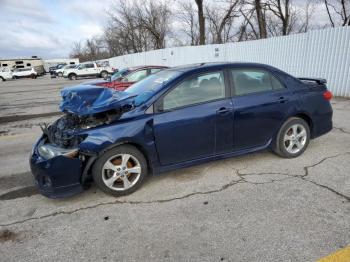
(173,119)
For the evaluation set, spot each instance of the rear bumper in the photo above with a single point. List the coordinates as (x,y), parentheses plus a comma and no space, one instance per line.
(57,177)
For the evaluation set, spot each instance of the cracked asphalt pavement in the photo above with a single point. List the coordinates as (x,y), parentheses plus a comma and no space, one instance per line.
(256,207)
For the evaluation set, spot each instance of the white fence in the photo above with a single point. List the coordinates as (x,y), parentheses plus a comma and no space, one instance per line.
(324,53)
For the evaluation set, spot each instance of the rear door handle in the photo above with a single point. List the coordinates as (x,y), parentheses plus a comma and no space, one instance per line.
(282,99)
(224,110)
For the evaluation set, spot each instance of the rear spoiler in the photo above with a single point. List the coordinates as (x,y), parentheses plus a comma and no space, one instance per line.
(320,81)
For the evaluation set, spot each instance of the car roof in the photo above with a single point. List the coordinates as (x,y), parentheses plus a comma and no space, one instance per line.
(133,68)
(213,65)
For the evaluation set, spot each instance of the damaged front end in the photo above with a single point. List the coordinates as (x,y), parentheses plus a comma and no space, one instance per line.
(59,167)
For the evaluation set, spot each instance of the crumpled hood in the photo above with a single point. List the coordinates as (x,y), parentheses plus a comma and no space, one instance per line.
(88,99)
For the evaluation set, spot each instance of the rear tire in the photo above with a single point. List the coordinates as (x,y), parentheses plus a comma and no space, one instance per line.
(120,171)
(72,77)
(3,79)
(292,138)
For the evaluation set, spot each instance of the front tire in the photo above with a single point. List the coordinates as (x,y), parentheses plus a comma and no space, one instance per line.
(60,74)
(292,138)
(120,171)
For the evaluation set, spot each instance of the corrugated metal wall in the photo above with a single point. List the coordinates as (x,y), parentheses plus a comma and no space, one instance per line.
(324,53)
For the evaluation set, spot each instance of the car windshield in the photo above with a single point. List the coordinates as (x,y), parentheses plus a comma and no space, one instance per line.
(147,87)
(119,74)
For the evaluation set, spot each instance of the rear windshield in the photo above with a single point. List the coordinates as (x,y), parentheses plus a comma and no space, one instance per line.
(147,87)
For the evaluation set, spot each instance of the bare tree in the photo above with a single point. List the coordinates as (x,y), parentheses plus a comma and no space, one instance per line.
(260,14)
(154,18)
(93,49)
(338,9)
(282,10)
(189,22)
(201,21)
(221,19)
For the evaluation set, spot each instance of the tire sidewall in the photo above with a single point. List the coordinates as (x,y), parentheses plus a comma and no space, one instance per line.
(72,77)
(122,149)
(104,74)
(280,138)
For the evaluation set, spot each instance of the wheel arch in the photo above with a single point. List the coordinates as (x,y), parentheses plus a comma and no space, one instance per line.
(138,146)
(302,115)
(307,119)
(71,74)
(103,71)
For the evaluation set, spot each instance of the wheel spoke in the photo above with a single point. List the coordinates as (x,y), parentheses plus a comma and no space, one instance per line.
(295,130)
(125,159)
(134,170)
(110,181)
(302,134)
(287,137)
(290,146)
(299,145)
(110,165)
(126,182)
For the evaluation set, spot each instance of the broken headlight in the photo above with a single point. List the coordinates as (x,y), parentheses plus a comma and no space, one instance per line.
(49,151)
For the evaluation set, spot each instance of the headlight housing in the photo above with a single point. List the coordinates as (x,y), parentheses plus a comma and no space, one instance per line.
(49,151)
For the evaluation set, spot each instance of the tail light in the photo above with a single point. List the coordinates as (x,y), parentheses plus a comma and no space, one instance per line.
(327,95)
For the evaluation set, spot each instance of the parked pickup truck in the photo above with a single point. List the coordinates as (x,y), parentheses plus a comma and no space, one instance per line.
(5,74)
(88,69)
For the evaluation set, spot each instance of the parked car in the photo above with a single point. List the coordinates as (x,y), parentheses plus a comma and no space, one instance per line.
(128,76)
(52,69)
(5,74)
(24,73)
(173,119)
(89,69)
(59,71)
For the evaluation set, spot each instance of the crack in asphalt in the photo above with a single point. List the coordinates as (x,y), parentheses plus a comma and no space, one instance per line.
(224,187)
(306,168)
(341,130)
(238,172)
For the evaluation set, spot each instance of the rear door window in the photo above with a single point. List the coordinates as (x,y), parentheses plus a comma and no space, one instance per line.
(247,81)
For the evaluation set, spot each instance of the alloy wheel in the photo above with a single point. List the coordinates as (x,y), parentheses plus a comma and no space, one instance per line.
(295,138)
(121,172)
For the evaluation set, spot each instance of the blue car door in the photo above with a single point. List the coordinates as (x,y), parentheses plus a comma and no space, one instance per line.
(261,103)
(191,116)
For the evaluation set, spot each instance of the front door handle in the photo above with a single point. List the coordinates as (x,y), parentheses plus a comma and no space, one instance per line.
(224,110)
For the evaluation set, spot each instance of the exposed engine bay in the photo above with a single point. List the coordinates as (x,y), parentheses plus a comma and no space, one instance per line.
(85,107)
(63,132)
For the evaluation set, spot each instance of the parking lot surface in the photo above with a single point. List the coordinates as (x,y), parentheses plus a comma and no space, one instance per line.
(256,207)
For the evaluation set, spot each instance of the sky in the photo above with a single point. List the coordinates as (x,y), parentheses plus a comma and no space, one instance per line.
(48,28)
